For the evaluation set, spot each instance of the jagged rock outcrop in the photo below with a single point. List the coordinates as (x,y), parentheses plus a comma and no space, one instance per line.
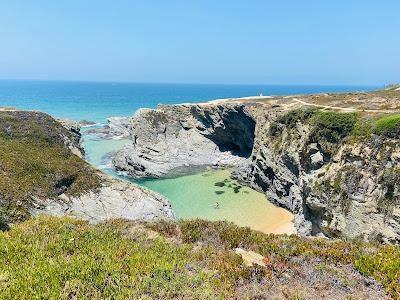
(114,198)
(116,128)
(174,139)
(119,126)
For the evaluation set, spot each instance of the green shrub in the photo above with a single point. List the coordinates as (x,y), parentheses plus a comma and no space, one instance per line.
(291,118)
(388,126)
(363,128)
(332,126)
(384,266)
(327,126)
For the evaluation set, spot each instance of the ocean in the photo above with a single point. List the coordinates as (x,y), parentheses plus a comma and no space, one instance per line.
(191,196)
(96,101)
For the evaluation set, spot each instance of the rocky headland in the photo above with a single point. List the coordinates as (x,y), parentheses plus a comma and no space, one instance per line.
(42,172)
(331,159)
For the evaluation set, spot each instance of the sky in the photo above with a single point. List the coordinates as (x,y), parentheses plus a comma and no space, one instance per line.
(205,41)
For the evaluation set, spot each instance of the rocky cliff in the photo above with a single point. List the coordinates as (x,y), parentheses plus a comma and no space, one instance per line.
(42,171)
(174,139)
(337,171)
(339,182)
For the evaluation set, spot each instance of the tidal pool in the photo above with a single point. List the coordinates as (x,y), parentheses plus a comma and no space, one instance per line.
(213,195)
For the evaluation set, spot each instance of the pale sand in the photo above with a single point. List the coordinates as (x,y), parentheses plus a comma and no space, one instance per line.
(281,222)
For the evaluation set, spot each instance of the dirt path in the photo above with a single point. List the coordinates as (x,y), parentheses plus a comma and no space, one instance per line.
(7,109)
(348,109)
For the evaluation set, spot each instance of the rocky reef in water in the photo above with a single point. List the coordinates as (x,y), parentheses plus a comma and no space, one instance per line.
(42,172)
(336,169)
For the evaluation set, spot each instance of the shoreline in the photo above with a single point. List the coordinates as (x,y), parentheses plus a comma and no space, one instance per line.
(282,223)
(195,195)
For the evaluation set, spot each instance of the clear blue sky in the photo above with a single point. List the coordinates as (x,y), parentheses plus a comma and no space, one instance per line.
(204,41)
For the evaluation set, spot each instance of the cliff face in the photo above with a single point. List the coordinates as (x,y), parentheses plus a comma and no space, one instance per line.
(173,139)
(74,139)
(337,184)
(42,171)
(333,170)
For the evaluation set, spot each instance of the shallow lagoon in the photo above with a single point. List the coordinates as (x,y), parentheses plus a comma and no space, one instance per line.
(196,196)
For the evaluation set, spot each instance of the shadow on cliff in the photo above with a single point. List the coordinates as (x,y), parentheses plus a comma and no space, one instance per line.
(235,133)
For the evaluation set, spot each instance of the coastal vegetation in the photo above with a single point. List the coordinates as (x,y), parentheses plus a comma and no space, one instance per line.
(65,258)
(291,119)
(388,126)
(328,126)
(331,126)
(382,262)
(35,163)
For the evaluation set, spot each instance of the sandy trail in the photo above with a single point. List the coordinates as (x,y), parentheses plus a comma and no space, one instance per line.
(348,109)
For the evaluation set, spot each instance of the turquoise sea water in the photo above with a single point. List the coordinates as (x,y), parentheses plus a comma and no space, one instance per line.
(192,195)
(96,101)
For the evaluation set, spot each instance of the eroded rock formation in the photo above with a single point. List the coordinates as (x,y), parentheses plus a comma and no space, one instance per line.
(113,199)
(174,139)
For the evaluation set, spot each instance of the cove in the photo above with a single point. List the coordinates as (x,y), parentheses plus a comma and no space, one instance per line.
(196,195)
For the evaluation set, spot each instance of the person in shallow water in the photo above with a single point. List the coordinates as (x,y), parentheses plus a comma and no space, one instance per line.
(216,205)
